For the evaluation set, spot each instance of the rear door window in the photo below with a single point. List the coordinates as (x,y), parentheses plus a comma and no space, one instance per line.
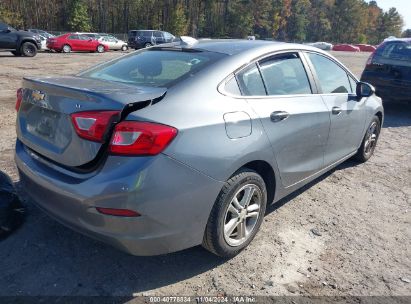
(250,81)
(332,78)
(285,75)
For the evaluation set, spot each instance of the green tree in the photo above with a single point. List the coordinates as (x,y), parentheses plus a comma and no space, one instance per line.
(406,33)
(298,21)
(10,17)
(79,19)
(178,24)
(389,24)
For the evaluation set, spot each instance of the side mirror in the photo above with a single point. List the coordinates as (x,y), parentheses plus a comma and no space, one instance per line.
(364,89)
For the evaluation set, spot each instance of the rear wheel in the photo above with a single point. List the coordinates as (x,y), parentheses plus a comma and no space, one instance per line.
(124,48)
(236,215)
(148,44)
(66,48)
(100,48)
(369,141)
(28,49)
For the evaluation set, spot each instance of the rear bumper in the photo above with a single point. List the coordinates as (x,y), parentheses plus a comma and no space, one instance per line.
(174,200)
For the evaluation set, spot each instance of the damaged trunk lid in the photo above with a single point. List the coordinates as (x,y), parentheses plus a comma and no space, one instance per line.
(45,123)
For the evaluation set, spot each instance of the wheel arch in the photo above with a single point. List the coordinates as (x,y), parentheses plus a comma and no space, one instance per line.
(380,116)
(266,171)
(24,40)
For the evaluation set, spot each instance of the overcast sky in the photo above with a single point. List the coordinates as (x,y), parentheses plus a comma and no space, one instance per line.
(402,6)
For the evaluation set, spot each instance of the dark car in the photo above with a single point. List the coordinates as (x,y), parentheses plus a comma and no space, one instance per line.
(20,43)
(389,70)
(145,38)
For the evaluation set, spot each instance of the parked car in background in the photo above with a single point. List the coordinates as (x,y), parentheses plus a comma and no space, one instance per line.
(389,70)
(41,32)
(346,48)
(75,42)
(20,43)
(113,43)
(169,148)
(43,43)
(145,38)
(321,45)
(366,47)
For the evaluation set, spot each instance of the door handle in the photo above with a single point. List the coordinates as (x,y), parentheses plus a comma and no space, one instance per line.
(336,110)
(278,116)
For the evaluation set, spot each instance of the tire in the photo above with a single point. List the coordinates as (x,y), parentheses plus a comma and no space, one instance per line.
(100,48)
(16,53)
(66,48)
(148,44)
(229,244)
(369,141)
(28,49)
(124,48)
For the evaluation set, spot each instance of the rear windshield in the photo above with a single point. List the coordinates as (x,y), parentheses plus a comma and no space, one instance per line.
(400,50)
(154,67)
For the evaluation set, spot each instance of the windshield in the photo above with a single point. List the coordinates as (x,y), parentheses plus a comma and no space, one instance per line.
(154,67)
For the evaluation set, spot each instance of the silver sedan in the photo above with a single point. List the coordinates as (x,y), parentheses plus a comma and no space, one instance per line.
(187,143)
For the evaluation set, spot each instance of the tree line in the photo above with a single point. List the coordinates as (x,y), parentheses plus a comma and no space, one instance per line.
(349,21)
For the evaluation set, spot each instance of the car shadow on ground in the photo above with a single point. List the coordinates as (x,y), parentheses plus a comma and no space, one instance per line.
(45,258)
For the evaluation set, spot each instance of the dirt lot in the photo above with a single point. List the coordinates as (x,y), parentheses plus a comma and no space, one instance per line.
(362,213)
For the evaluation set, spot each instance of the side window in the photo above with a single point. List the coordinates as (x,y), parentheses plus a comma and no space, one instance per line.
(158,35)
(250,81)
(353,84)
(285,75)
(3,26)
(73,37)
(332,78)
(232,87)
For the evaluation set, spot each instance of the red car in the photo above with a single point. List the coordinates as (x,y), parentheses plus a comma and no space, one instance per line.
(366,47)
(75,42)
(346,48)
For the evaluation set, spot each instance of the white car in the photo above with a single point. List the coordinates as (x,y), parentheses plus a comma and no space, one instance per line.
(113,43)
(322,45)
(43,43)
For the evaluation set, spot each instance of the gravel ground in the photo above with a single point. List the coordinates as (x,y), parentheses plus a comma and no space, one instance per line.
(347,233)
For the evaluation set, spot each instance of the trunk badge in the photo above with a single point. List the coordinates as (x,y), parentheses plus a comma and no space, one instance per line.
(38,95)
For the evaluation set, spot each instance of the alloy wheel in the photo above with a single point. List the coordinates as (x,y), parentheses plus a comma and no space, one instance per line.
(371,138)
(242,215)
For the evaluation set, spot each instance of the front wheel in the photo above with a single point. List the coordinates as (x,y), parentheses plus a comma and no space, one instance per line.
(100,49)
(148,44)
(124,48)
(28,49)
(369,141)
(237,214)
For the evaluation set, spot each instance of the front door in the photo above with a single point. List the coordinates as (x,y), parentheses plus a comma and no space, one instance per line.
(347,112)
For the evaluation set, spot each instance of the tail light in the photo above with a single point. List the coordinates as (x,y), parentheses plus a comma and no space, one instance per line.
(141,138)
(19,98)
(93,125)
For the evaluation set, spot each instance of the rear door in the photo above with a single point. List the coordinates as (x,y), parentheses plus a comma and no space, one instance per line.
(295,120)
(159,38)
(347,112)
(86,43)
(74,42)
